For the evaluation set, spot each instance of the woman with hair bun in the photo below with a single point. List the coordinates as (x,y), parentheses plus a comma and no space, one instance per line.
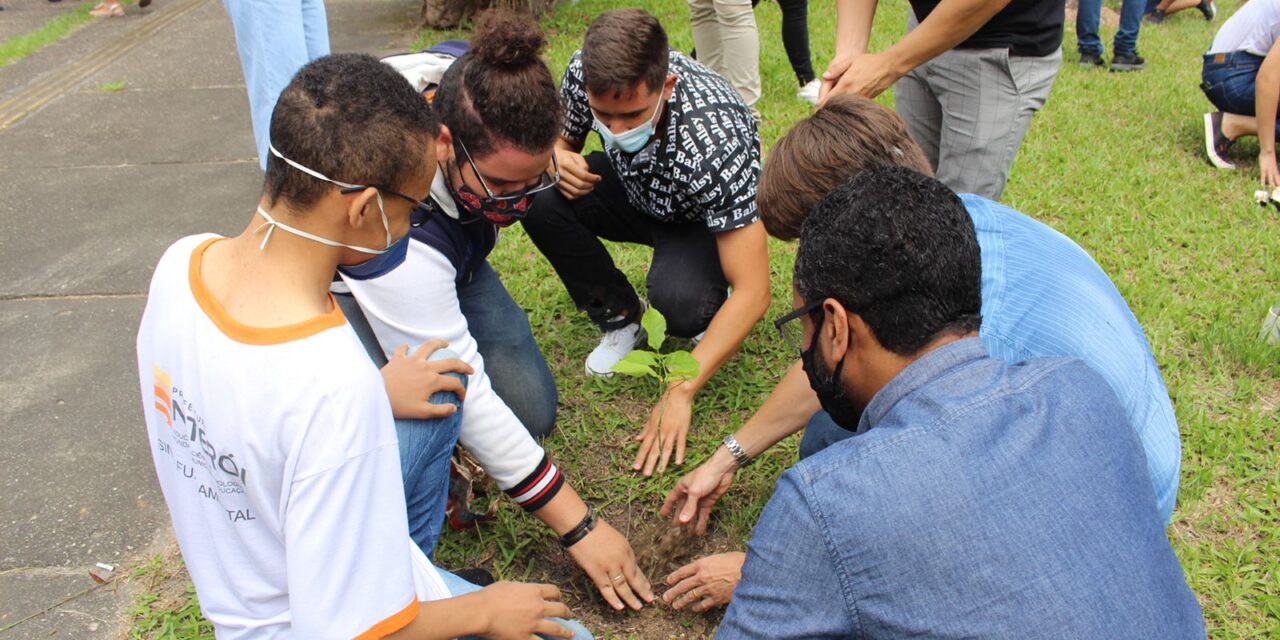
(501,115)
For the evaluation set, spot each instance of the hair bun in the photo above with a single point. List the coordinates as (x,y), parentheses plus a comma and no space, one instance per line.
(505,38)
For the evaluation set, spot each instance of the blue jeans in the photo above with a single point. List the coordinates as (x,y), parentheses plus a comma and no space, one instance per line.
(426,451)
(426,446)
(1087,16)
(516,368)
(1230,82)
(275,38)
(459,587)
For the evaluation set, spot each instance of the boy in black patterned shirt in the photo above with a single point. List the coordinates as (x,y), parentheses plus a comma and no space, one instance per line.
(678,173)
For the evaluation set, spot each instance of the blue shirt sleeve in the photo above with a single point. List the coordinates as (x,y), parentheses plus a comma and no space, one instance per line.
(790,583)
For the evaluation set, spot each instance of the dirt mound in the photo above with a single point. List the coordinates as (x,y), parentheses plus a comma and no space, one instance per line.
(1110,17)
(660,549)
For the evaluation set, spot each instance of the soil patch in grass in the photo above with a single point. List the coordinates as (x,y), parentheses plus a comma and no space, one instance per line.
(660,549)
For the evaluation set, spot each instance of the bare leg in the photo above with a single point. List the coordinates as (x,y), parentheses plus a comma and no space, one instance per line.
(1174,6)
(1236,126)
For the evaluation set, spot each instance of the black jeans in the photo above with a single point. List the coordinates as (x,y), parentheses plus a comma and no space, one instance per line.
(795,37)
(685,281)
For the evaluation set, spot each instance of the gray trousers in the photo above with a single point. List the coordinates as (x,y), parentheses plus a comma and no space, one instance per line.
(969,109)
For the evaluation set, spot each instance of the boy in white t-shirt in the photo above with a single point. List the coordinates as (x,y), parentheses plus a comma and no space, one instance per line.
(270,428)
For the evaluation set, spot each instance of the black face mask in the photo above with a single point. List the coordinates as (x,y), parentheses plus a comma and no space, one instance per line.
(844,411)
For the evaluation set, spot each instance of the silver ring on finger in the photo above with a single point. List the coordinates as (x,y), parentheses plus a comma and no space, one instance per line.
(619,578)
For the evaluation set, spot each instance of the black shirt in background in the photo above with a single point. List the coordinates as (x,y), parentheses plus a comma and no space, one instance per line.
(1024,27)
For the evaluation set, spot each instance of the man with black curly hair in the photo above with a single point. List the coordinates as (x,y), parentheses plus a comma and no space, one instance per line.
(945,514)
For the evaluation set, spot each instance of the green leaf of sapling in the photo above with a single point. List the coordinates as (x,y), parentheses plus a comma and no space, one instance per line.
(637,363)
(656,326)
(643,358)
(680,365)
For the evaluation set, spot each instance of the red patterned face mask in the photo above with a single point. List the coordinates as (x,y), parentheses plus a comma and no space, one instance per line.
(503,213)
(501,210)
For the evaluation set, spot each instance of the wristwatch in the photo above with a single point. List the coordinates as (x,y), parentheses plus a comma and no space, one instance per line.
(735,450)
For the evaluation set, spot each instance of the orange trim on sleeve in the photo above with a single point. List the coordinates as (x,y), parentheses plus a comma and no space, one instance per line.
(249,334)
(393,624)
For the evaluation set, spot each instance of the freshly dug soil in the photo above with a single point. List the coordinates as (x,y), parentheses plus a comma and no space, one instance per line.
(660,549)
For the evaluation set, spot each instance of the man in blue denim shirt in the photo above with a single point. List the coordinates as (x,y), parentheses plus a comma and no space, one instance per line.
(946,516)
(1042,295)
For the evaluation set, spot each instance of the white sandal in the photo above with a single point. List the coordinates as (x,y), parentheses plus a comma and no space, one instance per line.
(105,10)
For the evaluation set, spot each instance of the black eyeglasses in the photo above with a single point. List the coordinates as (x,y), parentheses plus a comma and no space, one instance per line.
(418,215)
(793,332)
(545,181)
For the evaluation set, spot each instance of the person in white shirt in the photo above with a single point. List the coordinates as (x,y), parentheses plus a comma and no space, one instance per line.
(501,114)
(270,429)
(1241,77)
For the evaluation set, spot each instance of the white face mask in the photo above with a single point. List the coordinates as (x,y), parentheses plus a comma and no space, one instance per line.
(272,223)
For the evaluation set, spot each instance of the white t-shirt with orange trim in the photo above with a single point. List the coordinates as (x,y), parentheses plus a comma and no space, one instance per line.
(277,456)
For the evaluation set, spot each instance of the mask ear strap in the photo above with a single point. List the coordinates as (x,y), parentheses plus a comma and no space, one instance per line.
(835,373)
(307,170)
(386,224)
(383,210)
(272,223)
(656,109)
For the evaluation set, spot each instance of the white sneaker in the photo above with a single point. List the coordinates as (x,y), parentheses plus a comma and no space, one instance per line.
(809,92)
(614,346)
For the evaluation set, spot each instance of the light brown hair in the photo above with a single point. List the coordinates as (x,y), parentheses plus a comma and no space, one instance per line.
(847,136)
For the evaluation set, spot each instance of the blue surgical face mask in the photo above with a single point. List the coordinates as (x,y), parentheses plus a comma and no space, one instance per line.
(632,140)
(272,224)
(380,264)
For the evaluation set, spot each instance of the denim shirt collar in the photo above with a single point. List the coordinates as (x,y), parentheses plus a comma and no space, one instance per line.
(924,369)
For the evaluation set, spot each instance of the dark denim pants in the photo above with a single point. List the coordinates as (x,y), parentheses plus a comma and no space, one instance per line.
(512,359)
(1088,15)
(795,37)
(1230,82)
(685,282)
(426,446)
(517,370)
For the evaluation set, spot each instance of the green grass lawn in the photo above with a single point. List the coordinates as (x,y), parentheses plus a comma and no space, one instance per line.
(1113,161)
(20,46)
